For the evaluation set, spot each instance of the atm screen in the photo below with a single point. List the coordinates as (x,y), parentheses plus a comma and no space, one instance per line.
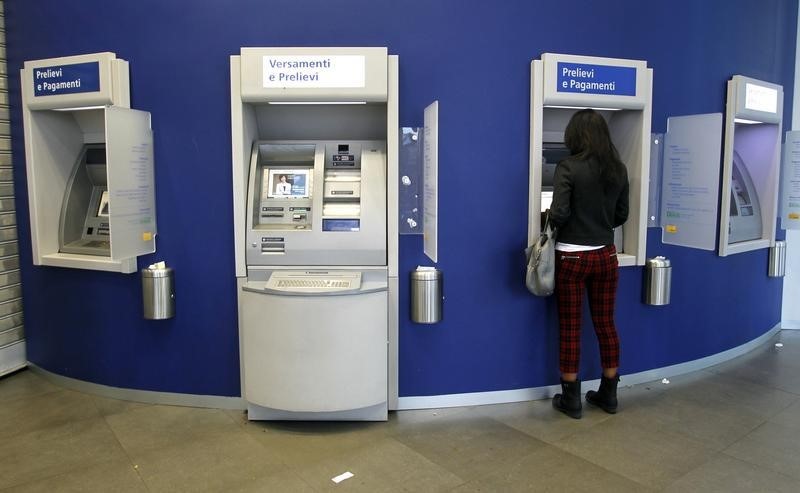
(287,183)
(102,206)
(552,154)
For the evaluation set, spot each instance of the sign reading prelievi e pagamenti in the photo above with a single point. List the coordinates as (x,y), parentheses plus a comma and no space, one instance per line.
(596,79)
(66,79)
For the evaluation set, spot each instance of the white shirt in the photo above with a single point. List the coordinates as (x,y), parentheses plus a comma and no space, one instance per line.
(571,247)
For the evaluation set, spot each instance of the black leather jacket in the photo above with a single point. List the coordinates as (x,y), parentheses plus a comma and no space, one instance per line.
(583,212)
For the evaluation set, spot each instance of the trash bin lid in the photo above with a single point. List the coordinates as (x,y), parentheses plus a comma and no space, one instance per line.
(163,272)
(426,275)
(658,262)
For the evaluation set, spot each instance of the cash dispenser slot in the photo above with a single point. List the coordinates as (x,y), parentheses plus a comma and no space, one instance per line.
(273,245)
(84,222)
(341,206)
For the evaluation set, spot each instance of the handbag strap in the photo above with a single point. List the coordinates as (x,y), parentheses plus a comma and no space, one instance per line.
(548,229)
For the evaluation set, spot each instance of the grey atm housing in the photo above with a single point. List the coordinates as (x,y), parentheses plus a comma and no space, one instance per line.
(750,165)
(316,251)
(338,215)
(90,173)
(628,119)
(84,227)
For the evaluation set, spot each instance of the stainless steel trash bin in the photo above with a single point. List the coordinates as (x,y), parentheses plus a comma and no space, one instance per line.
(426,296)
(158,293)
(657,281)
(777,259)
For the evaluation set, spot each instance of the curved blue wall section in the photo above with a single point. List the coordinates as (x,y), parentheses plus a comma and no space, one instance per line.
(474,57)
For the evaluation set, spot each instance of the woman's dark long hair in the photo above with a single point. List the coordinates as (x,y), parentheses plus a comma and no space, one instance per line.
(586,137)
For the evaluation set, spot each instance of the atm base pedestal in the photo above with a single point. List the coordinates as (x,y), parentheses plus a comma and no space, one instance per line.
(378,412)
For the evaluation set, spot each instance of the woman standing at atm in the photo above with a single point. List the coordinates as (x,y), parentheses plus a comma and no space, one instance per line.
(590,199)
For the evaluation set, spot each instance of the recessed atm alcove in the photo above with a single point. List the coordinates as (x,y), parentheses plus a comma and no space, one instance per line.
(89,160)
(620,90)
(751,166)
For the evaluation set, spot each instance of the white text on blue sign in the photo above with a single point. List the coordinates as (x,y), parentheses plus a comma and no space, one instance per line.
(66,79)
(596,79)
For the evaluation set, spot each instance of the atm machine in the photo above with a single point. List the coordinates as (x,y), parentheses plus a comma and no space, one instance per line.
(552,154)
(620,90)
(83,226)
(89,162)
(315,224)
(745,212)
(750,165)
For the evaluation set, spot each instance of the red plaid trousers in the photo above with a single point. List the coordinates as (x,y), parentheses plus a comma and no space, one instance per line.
(596,271)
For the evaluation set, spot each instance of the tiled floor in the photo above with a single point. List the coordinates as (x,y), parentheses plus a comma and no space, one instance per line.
(733,427)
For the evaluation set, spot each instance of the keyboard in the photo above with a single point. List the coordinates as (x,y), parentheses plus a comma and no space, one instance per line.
(314,282)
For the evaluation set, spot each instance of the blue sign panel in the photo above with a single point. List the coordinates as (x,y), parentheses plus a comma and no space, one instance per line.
(596,79)
(66,79)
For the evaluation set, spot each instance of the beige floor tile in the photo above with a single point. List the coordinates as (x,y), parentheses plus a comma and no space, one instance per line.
(724,392)
(52,451)
(237,415)
(665,436)
(22,384)
(772,446)
(403,420)
(724,474)
(768,366)
(538,419)
(284,481)
(225,461)
(384,466)
(643,454)
(107,406)
(469,444)
(157,427)
(551,469)
(716,428)
(117,477)
(305,443)
(28,414)
(789,417)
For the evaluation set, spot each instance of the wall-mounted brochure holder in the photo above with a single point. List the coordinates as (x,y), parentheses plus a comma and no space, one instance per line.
(89,160)
(411,180)
(618,89)
(751,165)
(690,180)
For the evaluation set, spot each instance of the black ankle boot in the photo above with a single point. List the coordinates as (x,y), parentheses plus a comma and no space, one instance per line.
(606,396)
(569,402)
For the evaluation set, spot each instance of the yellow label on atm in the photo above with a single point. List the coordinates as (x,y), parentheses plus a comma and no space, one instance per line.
(671,228)
(147,236)
(794,215)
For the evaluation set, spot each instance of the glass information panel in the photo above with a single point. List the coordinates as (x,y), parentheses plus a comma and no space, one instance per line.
(130,182)
(690,180)
(790,182)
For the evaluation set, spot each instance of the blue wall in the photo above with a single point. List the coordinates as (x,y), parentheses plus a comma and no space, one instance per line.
(474,58)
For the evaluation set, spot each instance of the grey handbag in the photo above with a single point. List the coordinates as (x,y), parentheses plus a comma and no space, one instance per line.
(540,277)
